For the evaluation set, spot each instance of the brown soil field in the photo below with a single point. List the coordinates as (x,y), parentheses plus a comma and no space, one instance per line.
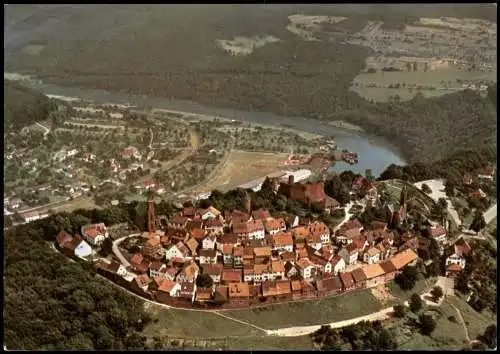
(245,166)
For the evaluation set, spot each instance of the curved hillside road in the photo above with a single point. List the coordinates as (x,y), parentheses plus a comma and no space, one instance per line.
(117,252)
(490,214)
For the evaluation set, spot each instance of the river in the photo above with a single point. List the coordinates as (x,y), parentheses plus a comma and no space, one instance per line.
(375,153)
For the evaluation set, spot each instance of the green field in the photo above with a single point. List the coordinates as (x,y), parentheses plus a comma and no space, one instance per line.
(476,322)
(420,286)
(430,78)
(312,312)
(194,324)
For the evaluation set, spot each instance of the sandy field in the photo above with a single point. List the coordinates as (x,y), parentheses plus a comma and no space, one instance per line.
(245,166)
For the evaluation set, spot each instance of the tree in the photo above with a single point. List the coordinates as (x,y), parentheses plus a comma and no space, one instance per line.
(449,188)
(478,223)
(416,303)
(407,278)
(437,293)
(400,311)
(204,281)
(427,324)
(490,336)
(426,189)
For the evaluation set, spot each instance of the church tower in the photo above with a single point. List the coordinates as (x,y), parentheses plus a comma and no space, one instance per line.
(151,214)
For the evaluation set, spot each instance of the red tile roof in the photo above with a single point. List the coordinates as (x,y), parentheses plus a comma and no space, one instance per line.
(232,275)
(347,279)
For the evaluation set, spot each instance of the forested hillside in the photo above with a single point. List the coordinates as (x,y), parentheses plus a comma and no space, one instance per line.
(23,106)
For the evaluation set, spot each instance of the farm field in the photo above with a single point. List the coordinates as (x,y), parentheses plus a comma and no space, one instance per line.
(409,82)
(193,324)
(244,166)
(311,312)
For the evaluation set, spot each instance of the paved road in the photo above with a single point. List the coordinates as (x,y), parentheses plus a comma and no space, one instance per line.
(490,214)
(117,252)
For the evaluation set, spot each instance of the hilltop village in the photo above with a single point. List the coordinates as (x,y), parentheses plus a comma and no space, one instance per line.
(239,258)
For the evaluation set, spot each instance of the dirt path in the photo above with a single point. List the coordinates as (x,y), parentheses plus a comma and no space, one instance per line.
(242,322)
(466,330)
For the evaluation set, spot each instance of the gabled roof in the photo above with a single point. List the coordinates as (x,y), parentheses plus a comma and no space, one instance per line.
(462,247)
(277,267)
(239,290)
(282,239)
(167,285)
(304,263)
(388,266)
(262,251)
(248,227)
(346,279)
(454,268)
(404,258)
(232,275)
(300,232)
(261,214)
(274,224)
(358,275)
(198,234)
(142,280)
(437,231)
(136,259)
(373,270)
(63,237)
(192,244)
(208,253)
(212,269)
(212,210)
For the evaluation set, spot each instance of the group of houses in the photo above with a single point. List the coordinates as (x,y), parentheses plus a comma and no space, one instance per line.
(250,255)
(91,236)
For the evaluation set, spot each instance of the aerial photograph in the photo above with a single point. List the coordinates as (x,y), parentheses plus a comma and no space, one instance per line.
(250,177)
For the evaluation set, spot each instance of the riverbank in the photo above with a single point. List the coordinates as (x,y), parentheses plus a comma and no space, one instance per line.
(376,153)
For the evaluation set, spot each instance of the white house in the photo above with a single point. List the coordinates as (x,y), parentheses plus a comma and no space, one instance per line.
(117,268)
(306,268)
(372,255)
(253,229)
(170,287)
(283,242)
(179,250)
(273,226)
(438,233)
(31,216)
(455,259)
(83,249)
(210,213)
(338,265)
(208,242)
(95,234)
(321,230)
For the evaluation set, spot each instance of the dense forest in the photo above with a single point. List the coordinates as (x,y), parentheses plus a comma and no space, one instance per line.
(23,106)
(290,77)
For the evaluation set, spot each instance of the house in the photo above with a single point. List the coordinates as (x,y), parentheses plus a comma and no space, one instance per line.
(178,222)
(273,226)
(129,152)
(261,272)
(169,287)
(214,271)
(31,216)
(347,281)
(227,240)
(192,245)
(63,237)
(232,275)
(188,273)
(300,232)
(141,282)
(479,194)
(282,242)
(277,270)
(227,254)
(438,233)
(375,275)
(209,242)
(349,254)
(486,173)
(320,230)
(117,268)
(402,259)
(467,179)
(378,225)
(292,221)
(461,249)
(329,286)
(239,293)
(179,250)
(288,257)
(193,224)
(253,229)
(306,268)
(279,289)
(262,254)
(385,249)
(453,269)
(291,270)
(157,270)
(338,265)
(221,294)
(261,214)
(198,234)
(210,213)
(77,247)
(237,216)
(94,234)
(359,277)
(153,248)
(349,231)
(208,256)
(214,226)
(187,291)
(312,194)
(189,212)
(389,270)
(203,295)
(248,255)
(302,289)
(237,256)
(314,240)
(372,255)
(248,272)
